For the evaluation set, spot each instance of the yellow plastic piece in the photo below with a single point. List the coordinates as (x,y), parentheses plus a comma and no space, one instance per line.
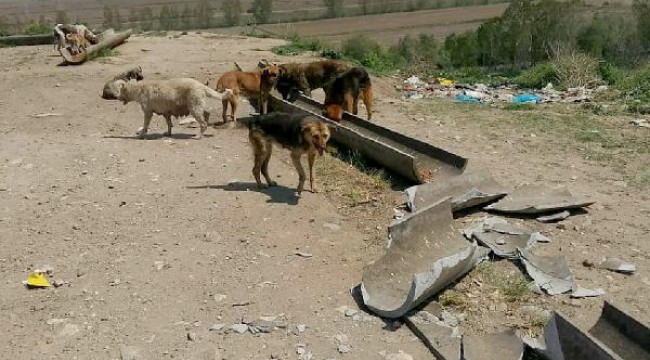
(37,280)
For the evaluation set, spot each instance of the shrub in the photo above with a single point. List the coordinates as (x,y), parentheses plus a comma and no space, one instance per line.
(576,69)
(611,74)
(636,90)
(298,46)
(537,76)
(38,28)
(372,55)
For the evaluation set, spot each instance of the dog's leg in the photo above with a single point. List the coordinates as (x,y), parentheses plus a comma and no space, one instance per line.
(258,155)
(367,99)
(265,164)
(233,107)
(224,114)
(198,115)
(355,105)
(145,127)
(295,158)
(168,119)
(311,156)
(206,116)
(348,102)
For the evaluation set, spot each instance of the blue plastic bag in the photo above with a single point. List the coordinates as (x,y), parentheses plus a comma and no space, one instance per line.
(526,98)
(466,98)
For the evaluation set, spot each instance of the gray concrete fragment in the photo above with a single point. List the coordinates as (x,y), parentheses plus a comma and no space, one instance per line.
(442,340)
(503,239)
(551,273)
(583,293)
(554,217)
(239,328)
(426,254)
(618,265)
(532,199)
(501,346)
(467,190)
(624,334)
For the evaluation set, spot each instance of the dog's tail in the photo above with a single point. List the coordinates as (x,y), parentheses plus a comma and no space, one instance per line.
(223,95)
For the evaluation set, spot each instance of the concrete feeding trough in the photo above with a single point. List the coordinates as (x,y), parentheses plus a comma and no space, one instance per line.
(426,254)
(467,190)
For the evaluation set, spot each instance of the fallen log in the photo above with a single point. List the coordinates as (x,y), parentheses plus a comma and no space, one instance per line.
(108,42)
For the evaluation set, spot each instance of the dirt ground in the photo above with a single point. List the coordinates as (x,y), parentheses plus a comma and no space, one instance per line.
(160,239)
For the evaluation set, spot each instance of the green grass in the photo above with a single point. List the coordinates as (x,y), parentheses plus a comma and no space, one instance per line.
(104,53)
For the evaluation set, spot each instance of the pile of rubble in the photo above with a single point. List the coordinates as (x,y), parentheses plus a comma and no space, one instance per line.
(414,88)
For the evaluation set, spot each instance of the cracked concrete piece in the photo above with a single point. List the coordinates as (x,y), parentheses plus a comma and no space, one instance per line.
(442,340)
(500,346)
(618,265)
(534,199)
(554,217)
(551,273)
(426,254)
(502,238)
(467,190)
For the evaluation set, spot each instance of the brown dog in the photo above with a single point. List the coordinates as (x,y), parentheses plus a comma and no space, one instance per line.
(252,84)
(78,43)
(301,134)
(306,77)
(344,93)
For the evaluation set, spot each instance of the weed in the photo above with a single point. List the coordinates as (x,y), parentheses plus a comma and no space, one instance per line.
(454,299)
(38,28)
(297,46)
(518,107)
(103,53)
(537,76)
(515,288)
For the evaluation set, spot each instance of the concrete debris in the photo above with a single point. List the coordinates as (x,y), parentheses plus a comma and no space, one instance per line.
(533,199)
(503,239)
(501,346)
(261,326)
(414,88)
(552,274)
(216,327)
(554,217)
(351,312)
(191,336)
(343,349)
(583,293)
(239,328)
(441,339)
(641,123)
(627,336)
(615,264)
(467,190)
(300,329)
(426,254)
(303,254)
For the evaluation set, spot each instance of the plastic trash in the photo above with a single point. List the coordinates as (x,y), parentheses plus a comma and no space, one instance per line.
(466,98)
(37,280)
(445,82)
(526,99)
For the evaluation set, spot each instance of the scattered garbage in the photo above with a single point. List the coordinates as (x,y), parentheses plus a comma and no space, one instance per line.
(416,88)
(37,279)
(425,255)
(536,199)
(467,190)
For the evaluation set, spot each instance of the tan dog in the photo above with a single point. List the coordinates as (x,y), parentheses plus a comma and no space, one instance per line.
(344,93)
(78,43)
(301,134)
(306,77)
(255,85)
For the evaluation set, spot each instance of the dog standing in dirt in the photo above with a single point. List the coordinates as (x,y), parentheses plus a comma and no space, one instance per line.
(300,134)
(344,94)
(61,32)
(306,77)
(252,84)
(173,97)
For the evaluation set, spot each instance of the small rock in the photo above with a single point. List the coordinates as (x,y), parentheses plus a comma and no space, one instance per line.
(300,329)
(341,339)
(130,353)
(351,312)
(331,226)
(343,349)
(161,265)
(239,328)
(219,297)
(59,283)
(448,318)
(303,254)
(191,336)
(216,327)
(399,356)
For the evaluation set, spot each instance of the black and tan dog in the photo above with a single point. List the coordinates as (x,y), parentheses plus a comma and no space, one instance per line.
(309,76)
(343,94)
(300,134)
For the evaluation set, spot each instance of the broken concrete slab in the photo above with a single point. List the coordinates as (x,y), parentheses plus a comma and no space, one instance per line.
(552,274)
(502,238)
(467,190)
(535,199)
(554,217)
(619,330)
(426,254)
(501,346)
(615,264)
(442,340)
(565,341)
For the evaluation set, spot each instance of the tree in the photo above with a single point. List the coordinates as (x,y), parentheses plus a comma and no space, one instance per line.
(262,10)
(642,12)
(231,12)
(334,8)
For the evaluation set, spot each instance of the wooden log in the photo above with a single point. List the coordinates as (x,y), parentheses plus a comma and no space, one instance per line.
(109,42)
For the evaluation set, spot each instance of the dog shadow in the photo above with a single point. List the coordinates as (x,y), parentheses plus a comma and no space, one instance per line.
(178,136)
(277,194)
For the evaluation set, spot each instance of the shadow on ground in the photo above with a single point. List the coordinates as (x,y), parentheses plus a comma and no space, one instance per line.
(277,194)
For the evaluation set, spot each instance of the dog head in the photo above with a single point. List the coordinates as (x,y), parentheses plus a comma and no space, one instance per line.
(113,90)
(333,112)
(135,73)
(317,134)
(270,74)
